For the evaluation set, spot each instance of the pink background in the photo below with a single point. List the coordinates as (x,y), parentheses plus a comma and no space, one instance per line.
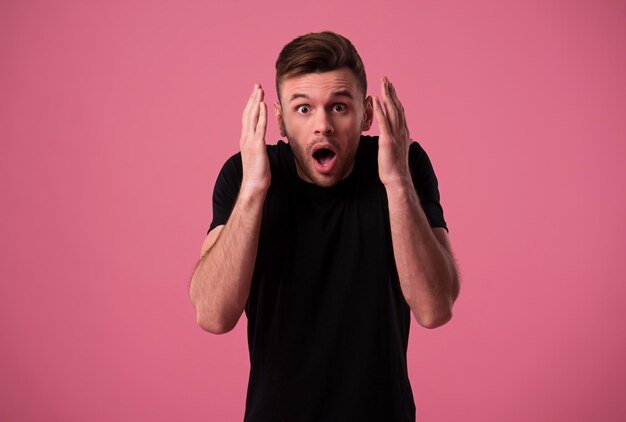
(116,116)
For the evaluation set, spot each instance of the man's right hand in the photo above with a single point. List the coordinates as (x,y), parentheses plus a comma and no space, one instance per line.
(220,284)
(256,167)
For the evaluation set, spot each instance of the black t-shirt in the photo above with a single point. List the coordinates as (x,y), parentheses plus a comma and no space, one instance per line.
(328,324)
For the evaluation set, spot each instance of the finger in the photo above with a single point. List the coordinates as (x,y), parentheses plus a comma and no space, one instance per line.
(381,119)
(246,110)
(404,126)
(390,107)
(398,105)
(254,111)
(261,125)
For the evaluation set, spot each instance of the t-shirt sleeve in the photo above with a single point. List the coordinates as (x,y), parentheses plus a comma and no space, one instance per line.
(426,185)
(226,190)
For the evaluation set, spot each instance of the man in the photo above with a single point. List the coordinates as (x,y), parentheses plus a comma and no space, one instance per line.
(328,242)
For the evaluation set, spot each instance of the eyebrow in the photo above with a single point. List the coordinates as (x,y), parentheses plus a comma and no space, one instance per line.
(340,93)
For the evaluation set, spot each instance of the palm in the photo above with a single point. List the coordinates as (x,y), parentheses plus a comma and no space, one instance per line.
(256,168)
(394,138)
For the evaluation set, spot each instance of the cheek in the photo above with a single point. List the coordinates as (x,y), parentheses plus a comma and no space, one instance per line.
(351,124)
(294,126)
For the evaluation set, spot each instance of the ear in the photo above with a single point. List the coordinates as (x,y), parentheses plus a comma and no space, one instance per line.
(279,118)
(368,113)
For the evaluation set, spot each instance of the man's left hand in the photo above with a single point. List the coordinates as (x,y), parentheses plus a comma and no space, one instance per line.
(394,139)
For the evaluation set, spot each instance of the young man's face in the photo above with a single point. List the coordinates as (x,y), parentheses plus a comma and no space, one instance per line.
(322,116)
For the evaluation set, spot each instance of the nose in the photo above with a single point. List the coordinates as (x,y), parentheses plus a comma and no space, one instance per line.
(323,124)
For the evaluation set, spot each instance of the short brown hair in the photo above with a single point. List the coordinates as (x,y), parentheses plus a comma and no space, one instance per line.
(317,52)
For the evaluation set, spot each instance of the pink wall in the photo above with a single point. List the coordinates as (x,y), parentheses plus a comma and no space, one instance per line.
(115,118)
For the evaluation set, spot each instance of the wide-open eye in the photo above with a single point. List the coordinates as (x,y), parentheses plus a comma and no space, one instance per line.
(339,107)
(302,109)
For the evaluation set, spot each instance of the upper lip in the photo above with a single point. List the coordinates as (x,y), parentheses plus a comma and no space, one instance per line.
(323,145)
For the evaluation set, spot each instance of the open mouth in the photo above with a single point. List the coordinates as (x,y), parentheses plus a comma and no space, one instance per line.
(324,156)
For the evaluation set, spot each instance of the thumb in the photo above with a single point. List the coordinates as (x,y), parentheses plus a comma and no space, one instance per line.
(381,119)
(261,125)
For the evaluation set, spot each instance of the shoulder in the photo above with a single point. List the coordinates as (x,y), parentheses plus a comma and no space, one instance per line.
(231,172)
(368,148)
(278,151)
(281,160)
(273,152)
(368,142)
(368,152)
(416,150)
(277,155)
(233,162)
(418,158)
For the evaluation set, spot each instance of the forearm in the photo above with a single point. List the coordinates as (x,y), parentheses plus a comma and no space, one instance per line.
(426,270)
(221,281)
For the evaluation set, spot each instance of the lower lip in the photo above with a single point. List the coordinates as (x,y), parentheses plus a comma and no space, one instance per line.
(327,169)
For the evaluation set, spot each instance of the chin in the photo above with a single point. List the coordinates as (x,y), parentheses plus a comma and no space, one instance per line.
(323,164)
(326,182)
(319,179)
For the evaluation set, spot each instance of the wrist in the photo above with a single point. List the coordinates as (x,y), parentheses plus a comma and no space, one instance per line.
(251,192)
(399,185)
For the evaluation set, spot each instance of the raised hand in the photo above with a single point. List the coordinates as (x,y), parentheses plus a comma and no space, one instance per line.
(256,167)
(394,139)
